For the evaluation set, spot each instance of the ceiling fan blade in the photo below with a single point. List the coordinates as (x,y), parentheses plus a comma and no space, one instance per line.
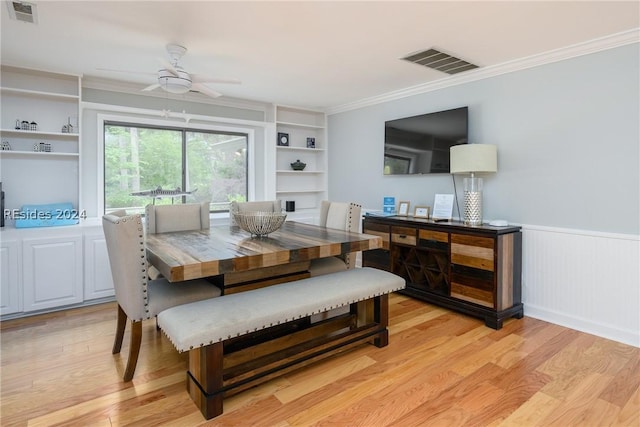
(198,87)
(126,71)
(168,66)
(151,87)
(199,78)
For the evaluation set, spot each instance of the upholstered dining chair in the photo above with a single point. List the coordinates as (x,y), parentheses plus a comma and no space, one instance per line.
(180,217)
(343,216)
(138,297)
(259,206)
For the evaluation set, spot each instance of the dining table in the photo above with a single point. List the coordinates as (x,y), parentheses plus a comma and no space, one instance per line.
(236,261)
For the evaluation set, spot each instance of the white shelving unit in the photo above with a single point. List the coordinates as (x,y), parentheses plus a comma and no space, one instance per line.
(308,187)
(42,267)
(49,101)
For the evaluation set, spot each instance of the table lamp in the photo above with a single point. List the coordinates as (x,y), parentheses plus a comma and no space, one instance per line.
(473,158)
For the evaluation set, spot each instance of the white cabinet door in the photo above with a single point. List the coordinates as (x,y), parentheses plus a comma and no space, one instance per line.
(10,301)
(98,282)
(52,271)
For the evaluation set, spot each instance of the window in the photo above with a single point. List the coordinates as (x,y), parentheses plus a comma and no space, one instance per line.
(212,165)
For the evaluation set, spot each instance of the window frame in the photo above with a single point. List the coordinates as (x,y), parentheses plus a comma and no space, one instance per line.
(126,120)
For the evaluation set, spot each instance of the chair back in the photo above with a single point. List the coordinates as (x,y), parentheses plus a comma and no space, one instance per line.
(127,257)
(260,206)
(181,217)
(343,216)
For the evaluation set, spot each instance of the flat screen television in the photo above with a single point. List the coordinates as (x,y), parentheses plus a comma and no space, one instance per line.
(420,144)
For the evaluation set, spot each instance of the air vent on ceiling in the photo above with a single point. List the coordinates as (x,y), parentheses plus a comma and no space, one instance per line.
(440,61)
(23,11)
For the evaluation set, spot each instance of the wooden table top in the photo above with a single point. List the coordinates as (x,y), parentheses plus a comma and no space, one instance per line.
(187,255)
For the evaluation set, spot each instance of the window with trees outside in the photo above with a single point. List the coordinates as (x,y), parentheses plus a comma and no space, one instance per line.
(210,165)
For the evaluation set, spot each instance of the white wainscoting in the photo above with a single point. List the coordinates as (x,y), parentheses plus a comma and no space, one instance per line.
(583,280)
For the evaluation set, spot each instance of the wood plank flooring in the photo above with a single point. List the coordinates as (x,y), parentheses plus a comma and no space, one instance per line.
(440,369)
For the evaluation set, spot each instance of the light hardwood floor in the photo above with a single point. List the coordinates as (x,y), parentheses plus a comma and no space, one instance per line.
(440,369)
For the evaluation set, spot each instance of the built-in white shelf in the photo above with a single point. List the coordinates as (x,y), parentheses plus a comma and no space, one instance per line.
(36,153)
(37,133)
(308,187)
(319,150)
(299,172)
(39,94)
(300,191)
(299,125)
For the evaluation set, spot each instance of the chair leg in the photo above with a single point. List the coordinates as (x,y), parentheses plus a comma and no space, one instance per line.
(134,350)
(120,326)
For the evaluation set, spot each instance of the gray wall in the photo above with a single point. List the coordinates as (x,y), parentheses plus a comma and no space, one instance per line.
(568,137)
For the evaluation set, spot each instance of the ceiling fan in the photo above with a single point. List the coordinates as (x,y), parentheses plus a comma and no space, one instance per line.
(174,79)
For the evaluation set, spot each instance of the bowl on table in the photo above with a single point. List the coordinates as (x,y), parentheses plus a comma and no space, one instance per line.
(259,223)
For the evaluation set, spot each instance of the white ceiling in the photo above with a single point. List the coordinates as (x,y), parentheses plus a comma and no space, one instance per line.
(315,54)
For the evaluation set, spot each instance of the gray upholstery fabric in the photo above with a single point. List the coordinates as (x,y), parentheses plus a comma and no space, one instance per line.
(139,298)
(205,322)
(181,217)
(168,218)
(343,216)
(327,265)
(260,206)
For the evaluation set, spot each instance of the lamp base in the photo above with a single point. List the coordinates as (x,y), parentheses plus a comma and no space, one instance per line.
(472,201)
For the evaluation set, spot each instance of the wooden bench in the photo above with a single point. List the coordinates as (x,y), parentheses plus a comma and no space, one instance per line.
(240,340)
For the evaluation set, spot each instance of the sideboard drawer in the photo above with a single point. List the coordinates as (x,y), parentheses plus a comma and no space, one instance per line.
(437,240)
(403,235)
(473,251)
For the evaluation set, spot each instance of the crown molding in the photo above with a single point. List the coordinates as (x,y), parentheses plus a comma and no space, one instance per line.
(585,48)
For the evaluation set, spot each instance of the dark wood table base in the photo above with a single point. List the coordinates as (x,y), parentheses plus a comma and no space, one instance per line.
(222,369)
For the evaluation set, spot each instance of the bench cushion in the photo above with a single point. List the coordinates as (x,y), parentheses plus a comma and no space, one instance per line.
(205,322)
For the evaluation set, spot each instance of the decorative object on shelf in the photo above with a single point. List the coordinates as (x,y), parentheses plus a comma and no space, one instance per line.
(283,139)
(6,146)
(473,158)
(68,128)
(43,147)
(259,223)
(403,208)
(159,193)
(25,125)
(421,212)
(298,165)
(33,126)
(18,125)
(389,205)
(442,207)
(311,143)
(290,205)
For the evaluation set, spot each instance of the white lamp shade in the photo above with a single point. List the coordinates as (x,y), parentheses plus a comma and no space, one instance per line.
(466,158)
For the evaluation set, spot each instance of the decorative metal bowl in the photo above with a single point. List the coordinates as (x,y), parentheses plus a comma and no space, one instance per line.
(259,223)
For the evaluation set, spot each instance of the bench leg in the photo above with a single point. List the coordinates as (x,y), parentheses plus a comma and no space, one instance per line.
(204,379)
(381,316)
(375,310)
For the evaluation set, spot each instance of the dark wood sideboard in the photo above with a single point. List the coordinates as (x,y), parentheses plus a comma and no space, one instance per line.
(473,270)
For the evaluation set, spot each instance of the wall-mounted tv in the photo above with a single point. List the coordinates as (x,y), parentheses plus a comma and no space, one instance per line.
(420,144)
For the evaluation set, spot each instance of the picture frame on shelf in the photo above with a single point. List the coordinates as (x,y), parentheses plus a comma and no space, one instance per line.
(403,208)
(443,207)
(283,139)
(421,212)
(311,142)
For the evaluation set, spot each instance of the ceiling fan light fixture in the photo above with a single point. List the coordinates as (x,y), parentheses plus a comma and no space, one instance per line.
(180,83)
